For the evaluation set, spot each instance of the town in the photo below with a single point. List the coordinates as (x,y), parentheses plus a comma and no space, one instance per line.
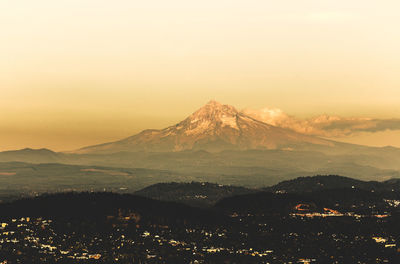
(133,237)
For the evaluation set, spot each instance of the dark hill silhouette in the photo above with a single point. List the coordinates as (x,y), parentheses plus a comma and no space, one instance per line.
(102,204)
(344,200)
(207,194)
(326,182)
(194,193)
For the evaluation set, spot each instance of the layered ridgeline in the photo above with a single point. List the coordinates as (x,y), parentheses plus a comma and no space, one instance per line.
(207,194)
(214,127)
(349,225)
(218,143)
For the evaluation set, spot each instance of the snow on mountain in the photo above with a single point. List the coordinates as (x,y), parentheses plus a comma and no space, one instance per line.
(214,127)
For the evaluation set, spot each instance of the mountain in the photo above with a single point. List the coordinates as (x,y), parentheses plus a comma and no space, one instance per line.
(31,155)
(217,143)
(214,127)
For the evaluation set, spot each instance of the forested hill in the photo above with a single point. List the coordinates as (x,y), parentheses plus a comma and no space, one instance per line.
(327,182)
(194,193)
(103,204)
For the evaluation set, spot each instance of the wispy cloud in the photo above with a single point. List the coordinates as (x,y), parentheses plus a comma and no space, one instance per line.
(324,125)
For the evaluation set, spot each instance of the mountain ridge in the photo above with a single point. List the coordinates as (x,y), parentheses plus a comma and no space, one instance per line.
(214,127)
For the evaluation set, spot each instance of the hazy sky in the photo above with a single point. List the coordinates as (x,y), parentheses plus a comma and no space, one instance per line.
(79,72)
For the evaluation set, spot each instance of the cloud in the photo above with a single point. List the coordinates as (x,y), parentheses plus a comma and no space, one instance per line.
(323,125)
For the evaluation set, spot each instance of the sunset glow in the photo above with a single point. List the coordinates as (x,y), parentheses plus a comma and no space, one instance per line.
(76,73)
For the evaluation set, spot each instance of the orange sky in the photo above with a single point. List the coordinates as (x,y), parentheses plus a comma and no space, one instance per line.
(75,73)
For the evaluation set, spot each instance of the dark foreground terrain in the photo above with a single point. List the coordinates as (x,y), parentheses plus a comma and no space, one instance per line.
(329,225)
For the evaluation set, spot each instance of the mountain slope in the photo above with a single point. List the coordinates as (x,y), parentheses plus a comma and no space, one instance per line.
(214,127)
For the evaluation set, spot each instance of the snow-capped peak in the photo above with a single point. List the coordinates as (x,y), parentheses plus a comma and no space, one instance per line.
(213,127)
(213,114)
(214,110)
